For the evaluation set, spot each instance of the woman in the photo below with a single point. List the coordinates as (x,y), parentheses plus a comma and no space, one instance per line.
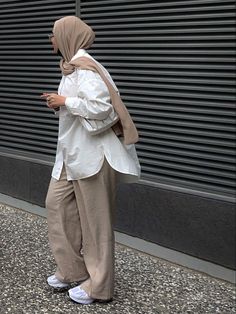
(81,194)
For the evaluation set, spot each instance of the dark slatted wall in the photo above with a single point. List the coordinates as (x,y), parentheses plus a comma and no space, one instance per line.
(174,62)
(28,68)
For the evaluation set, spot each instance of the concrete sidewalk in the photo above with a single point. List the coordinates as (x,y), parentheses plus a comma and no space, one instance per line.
(144,284)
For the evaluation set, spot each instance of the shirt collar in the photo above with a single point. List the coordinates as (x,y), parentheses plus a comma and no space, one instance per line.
(79,53)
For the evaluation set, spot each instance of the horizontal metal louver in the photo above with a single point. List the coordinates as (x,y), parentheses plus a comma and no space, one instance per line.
(27,69)
(174,63)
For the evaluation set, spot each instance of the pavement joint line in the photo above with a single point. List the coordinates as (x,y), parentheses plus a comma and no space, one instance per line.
(142,246)
(144,284)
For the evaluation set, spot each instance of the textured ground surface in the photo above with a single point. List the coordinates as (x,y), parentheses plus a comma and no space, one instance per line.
(144,284)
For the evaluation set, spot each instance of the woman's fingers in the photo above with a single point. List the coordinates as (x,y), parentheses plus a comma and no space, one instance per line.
(53,100)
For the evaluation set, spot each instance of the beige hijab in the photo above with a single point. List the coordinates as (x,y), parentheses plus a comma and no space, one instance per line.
(71,34)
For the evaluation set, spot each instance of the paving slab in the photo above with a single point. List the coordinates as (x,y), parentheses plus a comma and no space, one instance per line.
(144,284)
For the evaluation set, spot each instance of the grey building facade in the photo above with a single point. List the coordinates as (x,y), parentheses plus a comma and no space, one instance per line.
(174,63)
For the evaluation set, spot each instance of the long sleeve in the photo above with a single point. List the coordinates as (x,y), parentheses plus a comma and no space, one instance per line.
(92,100)
(81,152)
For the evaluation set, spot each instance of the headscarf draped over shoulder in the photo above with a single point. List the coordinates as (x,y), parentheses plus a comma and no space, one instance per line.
(71,34)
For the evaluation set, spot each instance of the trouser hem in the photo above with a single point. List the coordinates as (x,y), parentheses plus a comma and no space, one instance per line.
(70,280)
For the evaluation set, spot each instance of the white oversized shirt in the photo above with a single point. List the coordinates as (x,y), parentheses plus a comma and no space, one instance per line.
(83,154)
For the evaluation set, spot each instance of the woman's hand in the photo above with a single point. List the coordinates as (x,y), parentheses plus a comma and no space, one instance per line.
(54,100)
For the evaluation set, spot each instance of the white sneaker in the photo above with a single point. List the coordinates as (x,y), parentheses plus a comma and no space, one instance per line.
(78,295)
(56,283)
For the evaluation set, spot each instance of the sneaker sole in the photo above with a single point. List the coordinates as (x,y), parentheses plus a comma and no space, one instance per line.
(83,302)
(94,301)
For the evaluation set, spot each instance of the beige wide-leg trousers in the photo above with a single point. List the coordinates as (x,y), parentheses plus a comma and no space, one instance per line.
(80,229)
